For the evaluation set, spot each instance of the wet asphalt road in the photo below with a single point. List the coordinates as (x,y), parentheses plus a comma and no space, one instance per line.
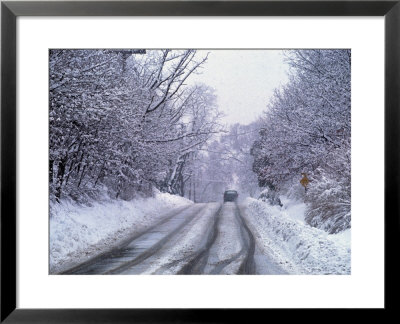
(202,238)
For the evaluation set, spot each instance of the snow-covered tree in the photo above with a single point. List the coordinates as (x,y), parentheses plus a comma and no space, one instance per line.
(307,129)
(123,119)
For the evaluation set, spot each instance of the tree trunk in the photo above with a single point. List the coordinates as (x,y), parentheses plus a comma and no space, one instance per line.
(99,175)
(194,187)
(82,175)
(60,178)
(190,187)
(51,171)
(71,166)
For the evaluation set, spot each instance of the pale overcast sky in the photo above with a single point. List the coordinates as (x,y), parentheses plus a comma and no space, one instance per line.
(244,80)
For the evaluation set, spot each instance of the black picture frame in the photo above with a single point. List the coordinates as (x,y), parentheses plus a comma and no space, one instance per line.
(10,10)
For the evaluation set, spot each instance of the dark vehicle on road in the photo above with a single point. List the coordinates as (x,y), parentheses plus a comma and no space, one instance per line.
(230,195)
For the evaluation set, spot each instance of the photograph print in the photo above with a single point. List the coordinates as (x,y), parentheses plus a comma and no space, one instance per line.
(200,161)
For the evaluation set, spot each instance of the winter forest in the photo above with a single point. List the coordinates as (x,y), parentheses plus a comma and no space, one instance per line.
(125,124)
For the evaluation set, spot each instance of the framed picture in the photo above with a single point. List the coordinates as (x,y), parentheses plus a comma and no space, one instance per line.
(44,43)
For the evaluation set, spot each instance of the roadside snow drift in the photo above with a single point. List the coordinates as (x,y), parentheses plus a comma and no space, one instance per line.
(298,247)
(78,232)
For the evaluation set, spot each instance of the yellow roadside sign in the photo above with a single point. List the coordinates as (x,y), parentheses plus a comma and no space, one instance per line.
(304,181)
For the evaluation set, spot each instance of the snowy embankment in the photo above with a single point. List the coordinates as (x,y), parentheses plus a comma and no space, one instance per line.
(298,247)
(78,233)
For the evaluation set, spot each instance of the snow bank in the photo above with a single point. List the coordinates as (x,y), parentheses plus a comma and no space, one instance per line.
(298,247)
(294,209)
(79,232)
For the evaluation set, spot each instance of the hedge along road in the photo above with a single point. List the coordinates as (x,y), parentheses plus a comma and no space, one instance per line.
(205,238)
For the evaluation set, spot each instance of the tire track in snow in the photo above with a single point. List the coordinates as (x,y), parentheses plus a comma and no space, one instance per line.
(220,265)
(223,264)
(199,261)
(183,260)
(248,265)
(197,264)
(155,247)
(84,268)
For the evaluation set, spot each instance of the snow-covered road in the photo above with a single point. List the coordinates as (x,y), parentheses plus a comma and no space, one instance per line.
(203,238)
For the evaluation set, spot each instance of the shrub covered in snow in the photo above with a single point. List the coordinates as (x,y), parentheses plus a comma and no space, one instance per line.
(271,196)
(328,203)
